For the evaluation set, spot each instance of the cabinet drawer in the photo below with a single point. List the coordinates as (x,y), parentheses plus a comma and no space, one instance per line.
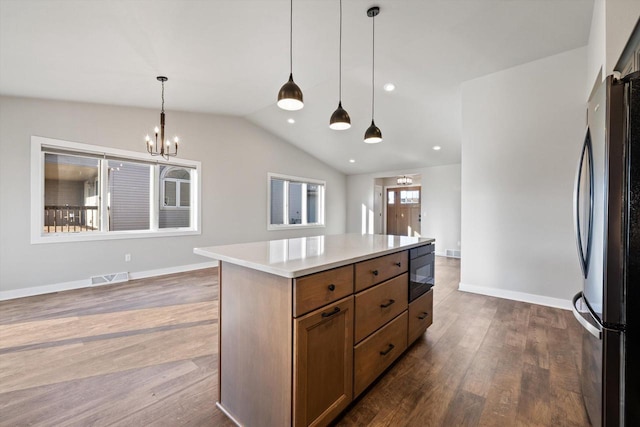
(420,316)
(315,290)
(373,355)
(377,270)
(379,304)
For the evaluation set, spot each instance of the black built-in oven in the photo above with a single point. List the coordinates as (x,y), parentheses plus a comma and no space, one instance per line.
(421,270)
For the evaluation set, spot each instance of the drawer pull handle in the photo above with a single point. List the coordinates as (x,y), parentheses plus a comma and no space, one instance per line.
(424,315)
(375,272)
(331,313)
(391,301)
(399,264)
(332,287)
(384,353)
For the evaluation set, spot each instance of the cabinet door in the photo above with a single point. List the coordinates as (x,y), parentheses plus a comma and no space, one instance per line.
(323,363)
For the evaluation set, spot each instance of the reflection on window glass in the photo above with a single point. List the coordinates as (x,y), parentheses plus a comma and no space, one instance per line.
(71,193)
(175,199)
(129,188)
(312,203)
(277,201)
(391,197)
(295,203)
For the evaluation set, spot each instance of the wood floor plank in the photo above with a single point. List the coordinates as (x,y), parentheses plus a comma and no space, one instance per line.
(63,328)
(145,353)
(26,369)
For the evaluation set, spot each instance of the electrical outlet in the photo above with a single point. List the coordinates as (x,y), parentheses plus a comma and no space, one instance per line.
(127,257)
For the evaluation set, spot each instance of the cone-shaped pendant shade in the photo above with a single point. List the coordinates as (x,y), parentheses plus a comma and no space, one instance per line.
(290,96)
(373,134)
(340,119)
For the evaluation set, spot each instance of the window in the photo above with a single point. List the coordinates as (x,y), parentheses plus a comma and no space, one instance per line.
(86,192)
(295,202)
(408,197)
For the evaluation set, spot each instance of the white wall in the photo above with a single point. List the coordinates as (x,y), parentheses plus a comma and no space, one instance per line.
(440,203)
(522,130)
(235,156)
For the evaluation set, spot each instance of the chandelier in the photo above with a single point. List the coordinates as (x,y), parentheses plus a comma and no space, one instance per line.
(405,180)
(164,147)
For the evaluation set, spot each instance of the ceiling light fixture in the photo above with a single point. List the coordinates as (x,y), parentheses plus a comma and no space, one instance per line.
(373,134)
(340,119)
(436,147)
(291,121)
(389,87)
(352,161)
(290,95)
(405,180)
(164,146)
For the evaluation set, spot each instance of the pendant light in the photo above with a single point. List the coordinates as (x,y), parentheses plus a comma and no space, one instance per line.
(164,147)
(340,119)
(290,95)
(373,134)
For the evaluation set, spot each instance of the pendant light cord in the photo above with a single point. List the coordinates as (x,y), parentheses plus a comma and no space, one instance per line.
(291,38)
(373,67)
(340,60)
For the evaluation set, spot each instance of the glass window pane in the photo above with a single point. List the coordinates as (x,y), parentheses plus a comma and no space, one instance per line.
(295,203)
(71,193)
(169,193)
(128,195)
(185,194)
(391,197)
(277,201)
(312,203)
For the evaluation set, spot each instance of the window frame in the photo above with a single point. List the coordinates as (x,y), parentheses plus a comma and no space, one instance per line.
(288,179)
(38,193)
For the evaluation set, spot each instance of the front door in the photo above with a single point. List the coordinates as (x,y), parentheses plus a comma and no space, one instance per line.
(403,211)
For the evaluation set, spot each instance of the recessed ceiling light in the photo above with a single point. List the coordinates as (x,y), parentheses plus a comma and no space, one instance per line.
(436,147)
(292,121)
(352,161)
(389,87)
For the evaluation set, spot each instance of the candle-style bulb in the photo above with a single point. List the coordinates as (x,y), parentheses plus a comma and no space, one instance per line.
(167,142)
(176,140)
(156,130)
(147,138)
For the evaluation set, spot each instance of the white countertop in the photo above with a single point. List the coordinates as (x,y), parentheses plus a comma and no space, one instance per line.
(305,255)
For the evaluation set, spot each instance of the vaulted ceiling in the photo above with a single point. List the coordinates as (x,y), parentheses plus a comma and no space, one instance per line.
(232,56)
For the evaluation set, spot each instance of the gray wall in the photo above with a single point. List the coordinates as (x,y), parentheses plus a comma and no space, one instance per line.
(236,157)
(522,130)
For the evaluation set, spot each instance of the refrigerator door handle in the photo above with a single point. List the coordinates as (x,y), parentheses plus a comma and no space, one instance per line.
(581,311)
(584,225)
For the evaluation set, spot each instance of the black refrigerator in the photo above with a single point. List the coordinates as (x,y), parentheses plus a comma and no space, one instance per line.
(607,222)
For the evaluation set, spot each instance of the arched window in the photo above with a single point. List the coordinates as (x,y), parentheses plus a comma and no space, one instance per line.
(175,187)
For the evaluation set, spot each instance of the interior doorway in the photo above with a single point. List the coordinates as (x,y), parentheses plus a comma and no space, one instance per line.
(404,210)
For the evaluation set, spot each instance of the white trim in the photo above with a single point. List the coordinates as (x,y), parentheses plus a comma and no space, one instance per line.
(517,296)
(86,283)
(37,195)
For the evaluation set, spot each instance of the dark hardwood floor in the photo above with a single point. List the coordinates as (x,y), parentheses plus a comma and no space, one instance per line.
(145,353)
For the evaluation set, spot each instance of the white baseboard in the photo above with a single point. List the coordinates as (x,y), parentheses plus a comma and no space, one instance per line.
(86,283)
(517,296)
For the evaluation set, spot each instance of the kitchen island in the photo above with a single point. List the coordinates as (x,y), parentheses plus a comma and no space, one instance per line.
(307,324)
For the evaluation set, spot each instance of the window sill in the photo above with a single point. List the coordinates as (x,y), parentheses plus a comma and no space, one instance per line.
(111,235)
(273,227)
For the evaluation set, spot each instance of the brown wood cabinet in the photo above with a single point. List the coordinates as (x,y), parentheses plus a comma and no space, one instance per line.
(296,351)
(379,304)
(420,316)
(323,363)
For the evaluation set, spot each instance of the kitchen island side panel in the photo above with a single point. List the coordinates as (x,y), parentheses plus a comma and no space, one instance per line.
(255,346)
